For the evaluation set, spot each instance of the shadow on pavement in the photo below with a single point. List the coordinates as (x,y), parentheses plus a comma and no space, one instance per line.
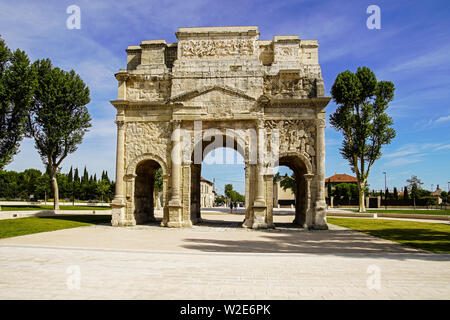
(93,219)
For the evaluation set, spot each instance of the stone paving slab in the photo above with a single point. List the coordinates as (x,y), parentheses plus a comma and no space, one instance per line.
(217,261)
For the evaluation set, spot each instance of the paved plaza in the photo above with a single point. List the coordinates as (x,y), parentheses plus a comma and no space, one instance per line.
(217,260)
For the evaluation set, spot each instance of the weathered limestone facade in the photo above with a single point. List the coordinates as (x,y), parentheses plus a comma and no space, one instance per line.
(228,79)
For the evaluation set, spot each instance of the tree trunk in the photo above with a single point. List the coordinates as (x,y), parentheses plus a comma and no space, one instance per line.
(362,206)
(55,193)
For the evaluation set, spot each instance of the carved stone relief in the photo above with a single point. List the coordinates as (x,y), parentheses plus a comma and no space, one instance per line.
(147,137)
(289,87)
(147,88)
(219,48)
(295,135)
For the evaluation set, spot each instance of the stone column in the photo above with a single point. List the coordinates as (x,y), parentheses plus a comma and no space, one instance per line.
(259,205)
(118,203)
(248,220)
(122,78)
(319,221)
(309,205)
(176,164)
(331,202)
(175,208)
(320,157)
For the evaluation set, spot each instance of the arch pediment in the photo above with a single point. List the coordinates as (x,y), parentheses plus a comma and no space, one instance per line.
(206,92)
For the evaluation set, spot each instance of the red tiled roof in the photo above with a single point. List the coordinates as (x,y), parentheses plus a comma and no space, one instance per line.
(205,180)
(341,177)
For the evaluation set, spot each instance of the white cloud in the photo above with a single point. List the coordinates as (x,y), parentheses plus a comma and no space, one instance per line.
(412,153)
(443,119)
(402,161)
(432,59)
(443,147)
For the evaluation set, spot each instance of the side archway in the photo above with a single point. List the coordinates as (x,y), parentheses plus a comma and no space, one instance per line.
(144,189)
(302,171)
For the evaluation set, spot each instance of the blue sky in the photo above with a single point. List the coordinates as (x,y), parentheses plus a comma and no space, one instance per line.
(411,49)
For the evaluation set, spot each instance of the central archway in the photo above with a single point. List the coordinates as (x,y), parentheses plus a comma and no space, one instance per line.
(216,146)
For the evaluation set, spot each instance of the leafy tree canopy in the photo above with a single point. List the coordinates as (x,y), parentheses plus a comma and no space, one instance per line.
(361,117)
(17,82)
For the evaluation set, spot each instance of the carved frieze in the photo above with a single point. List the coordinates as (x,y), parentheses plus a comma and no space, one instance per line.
(289,87)
(147,137)
(295,135)
(219,48)
(148,88)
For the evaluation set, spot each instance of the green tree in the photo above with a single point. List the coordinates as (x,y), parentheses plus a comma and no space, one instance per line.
(233,195)
(444,196)
(29,180)
(17,83)
(395,193)
(228,190)
(103,188)
(288,182)
(76,185)
(405,194)
(219,200)
(59,117)
(345,191)
(43,186)
(158,180)
(414,184)
(361,117)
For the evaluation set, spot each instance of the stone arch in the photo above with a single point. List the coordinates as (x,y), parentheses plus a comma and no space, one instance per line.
(302,169)
(302,156)
(131,169)
(239,145)
(141,197)
(262,91)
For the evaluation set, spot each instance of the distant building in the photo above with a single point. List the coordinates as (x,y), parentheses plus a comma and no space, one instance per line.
(338,178)
(282,197)
(206,193)
(437,195)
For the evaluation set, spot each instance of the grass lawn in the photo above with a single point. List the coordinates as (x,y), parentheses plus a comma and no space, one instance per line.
(22,226)
(50,207)
(434,237)
(432,212)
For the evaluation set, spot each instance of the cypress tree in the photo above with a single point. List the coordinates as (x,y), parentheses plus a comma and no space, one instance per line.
(405,194)
(76,176)
(85,176)
(70,176)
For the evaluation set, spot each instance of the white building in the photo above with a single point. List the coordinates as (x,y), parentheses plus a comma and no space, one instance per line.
(206,193)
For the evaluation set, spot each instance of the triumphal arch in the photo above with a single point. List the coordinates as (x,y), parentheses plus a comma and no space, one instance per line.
(219,87)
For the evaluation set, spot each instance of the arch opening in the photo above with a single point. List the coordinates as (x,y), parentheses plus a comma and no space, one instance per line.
(222,163)
(296,185)
(148,190)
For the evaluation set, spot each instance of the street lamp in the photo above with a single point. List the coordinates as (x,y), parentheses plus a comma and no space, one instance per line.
(385,191)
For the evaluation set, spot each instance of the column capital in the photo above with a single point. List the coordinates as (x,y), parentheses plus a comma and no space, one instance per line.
(176,122)
(120,123)
(122,76)
(130,176)
(308,176)
(320,123)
